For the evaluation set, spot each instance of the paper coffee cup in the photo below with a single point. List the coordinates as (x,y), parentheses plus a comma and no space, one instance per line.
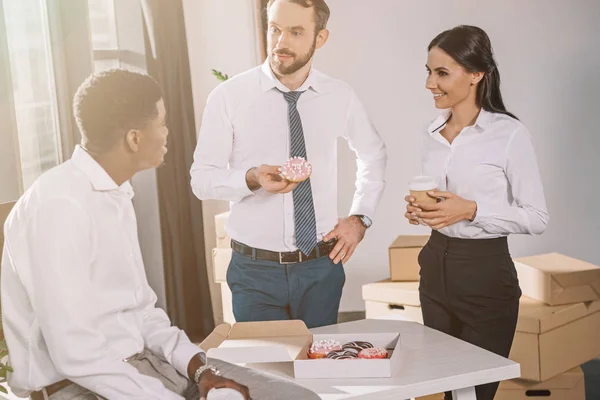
(419,186)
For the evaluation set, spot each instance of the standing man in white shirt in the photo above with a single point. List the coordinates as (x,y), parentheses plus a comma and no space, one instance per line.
(79,316)
(288,244)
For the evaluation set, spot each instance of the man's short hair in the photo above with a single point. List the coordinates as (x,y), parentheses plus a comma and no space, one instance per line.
(110,103)
(322,11)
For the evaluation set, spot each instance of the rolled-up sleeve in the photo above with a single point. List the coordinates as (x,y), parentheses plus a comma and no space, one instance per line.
(371,160)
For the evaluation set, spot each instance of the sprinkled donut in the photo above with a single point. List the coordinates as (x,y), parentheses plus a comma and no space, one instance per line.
(321,348)
(356,346)
(296,169)
(341,355)
(372,353)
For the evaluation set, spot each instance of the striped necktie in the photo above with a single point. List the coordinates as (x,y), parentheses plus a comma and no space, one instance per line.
(304,209)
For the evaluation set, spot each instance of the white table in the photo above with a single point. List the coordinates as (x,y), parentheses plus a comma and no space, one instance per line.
(432,362)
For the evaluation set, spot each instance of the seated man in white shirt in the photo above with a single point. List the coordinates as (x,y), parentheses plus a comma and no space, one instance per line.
(79,316)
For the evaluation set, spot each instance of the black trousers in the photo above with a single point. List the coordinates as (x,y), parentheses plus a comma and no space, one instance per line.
(469,289)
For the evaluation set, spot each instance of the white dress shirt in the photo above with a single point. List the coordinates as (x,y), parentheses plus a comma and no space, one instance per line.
(75,298)
(493,163)
(245,124)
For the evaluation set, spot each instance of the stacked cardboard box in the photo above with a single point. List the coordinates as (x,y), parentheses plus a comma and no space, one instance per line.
(557,330)
(567,386)
(397,300)
(223,241)
(398,297)
(403,253)
(221,255)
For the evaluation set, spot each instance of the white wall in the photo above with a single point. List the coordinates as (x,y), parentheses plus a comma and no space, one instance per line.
(548,58)
(549,61)
(221,35)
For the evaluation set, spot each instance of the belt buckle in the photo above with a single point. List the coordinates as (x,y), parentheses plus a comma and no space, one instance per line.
(282,262)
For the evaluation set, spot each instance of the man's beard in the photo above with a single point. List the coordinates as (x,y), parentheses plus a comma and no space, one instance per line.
(297,64)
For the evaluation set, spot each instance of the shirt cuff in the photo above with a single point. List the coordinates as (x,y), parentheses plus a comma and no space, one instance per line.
(358,209)
(182,355)
(479,215)
(239,181)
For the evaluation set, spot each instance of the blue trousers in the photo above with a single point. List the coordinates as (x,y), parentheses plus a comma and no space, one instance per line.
(270,291)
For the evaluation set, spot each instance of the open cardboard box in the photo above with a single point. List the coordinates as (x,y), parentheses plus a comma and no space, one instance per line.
(289,341)
(551,340)
(567,386)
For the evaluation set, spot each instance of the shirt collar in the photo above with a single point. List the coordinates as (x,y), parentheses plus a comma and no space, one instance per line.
(270,81)
(484,119)
(98,177)
(482,122)
(439,122)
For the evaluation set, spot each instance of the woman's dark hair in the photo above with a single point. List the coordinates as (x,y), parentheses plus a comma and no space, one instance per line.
(111,102)
(471,48)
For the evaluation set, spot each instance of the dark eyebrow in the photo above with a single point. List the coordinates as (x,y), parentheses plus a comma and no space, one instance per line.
(297,28)
(437,69)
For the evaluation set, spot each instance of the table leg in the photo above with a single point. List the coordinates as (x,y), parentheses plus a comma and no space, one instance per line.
(464,394)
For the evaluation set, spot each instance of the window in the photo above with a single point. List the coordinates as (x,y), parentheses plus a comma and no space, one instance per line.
(46,49)
(34,89)
(104,34)
(117,34)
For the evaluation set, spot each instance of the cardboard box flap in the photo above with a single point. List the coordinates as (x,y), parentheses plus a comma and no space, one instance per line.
(537,317)
(565,381)
(220,221)
(560,265)
(221,260)
(265,329)
(405,241)
(216,337)
(258,342)
(394,293)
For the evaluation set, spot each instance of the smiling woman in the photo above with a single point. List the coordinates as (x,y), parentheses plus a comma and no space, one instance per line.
(478,152)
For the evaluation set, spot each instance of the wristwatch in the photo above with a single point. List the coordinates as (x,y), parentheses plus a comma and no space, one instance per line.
(366,221)
(205,368)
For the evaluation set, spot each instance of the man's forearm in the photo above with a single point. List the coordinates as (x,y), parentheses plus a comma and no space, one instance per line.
(252,180)
(195,363)
(210,183)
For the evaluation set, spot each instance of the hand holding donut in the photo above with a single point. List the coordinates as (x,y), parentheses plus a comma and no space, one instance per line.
(279,180)
(269,178)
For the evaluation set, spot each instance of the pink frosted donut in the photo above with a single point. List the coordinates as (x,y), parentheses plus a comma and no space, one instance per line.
(296,169)
(321,348)
(371,353)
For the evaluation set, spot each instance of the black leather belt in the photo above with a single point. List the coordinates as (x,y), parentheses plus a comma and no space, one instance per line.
(290,257)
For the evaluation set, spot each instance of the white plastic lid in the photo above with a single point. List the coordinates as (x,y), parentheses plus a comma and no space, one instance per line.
(423,183)
(224,394)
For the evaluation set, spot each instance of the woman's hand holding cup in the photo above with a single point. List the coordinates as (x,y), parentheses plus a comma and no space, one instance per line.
(419,187)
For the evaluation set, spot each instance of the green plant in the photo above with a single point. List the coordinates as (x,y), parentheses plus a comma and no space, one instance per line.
(4,368)
(220,75)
